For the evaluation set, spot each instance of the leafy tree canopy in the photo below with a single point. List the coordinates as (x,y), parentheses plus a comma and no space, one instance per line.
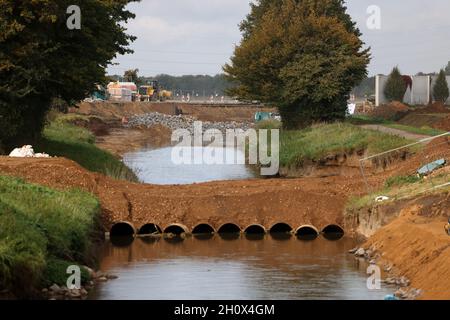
(304,56)
(395,87)
(41,59)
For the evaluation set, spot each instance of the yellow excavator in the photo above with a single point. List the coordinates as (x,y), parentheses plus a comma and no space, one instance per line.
(154,92)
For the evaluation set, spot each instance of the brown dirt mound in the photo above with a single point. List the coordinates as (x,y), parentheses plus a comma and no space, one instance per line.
(417,246)
(437,107)
(392,111)
(296,202)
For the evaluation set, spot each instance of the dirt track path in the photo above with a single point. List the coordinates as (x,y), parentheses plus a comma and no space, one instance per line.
(401,133)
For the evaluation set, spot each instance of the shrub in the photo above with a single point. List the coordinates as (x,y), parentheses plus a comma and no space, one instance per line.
(395,86)
(440,89)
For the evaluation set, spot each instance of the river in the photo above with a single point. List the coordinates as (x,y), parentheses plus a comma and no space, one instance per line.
(240,267)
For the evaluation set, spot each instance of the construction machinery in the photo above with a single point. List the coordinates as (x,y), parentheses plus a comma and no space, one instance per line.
(153,92)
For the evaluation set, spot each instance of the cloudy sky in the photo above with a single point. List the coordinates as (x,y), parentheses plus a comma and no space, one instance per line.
(198,36)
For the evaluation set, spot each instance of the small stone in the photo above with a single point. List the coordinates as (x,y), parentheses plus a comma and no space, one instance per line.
(102,279)
(112,277)
(360,252)
(45,290)
(90,271)
(84,292)
(390,281)
(74,293)
(353,251)
(55,288)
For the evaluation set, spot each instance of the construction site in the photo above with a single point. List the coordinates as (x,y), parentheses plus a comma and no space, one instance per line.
(282,172)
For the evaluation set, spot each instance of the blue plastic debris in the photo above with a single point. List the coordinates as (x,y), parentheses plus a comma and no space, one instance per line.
(391,297)
(429,168)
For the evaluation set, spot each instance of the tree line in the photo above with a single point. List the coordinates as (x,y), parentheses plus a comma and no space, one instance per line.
(42,59)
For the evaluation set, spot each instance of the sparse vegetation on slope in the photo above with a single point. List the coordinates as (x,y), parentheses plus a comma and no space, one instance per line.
(63,139)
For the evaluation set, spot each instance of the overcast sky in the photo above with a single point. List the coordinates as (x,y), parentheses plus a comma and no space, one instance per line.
(198,36)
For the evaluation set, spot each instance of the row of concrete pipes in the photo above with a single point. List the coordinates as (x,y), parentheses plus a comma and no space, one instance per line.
(127,229)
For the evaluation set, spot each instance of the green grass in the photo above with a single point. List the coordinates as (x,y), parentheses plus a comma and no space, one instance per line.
(63,139)
(320,141)
(401,187)
(364,120)
(40,226)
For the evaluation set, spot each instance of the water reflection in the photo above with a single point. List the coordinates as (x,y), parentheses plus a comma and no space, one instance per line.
(218,268)
(156,167)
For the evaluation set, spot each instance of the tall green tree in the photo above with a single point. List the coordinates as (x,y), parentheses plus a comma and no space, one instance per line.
(395,87)
(447,69)
(41,58)
(132,75)
(440,89)
(304,56)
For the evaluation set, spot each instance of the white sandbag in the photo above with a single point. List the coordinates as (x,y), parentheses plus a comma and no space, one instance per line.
(27,152)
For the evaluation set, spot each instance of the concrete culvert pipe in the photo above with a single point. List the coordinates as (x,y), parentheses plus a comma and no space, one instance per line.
(149,229)
(255,229)
(307,233)
(122,229)
(333,232)
(332,228)
(229,228)
(281,228)
(203,228)
(176,229)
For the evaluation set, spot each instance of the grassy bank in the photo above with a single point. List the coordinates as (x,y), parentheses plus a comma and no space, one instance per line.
(42,232)
(319,141)
(60,138)
(403,187)
(362,120)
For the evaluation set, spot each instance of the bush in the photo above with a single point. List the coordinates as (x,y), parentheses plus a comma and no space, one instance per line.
(401,180)
(395,86)
(440,89)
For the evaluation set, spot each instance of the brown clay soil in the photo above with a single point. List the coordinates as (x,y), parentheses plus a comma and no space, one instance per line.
(414,242)
(417,246)
(308,201)
(436,115)
(392,111)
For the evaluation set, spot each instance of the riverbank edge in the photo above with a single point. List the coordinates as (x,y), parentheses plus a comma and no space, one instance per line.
(408,257)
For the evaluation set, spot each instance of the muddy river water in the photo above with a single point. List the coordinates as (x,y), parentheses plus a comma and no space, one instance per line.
(231,267)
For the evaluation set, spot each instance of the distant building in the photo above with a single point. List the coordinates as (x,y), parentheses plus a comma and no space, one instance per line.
(419,89)
(122,91)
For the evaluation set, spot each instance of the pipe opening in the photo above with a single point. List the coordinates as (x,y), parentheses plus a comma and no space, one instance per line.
(149,229)
(333,232)
(175,229)
(122,229)
(281,228)
(307,233)
(229,228)
(203,228)
(255,229)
